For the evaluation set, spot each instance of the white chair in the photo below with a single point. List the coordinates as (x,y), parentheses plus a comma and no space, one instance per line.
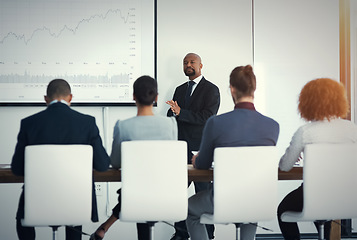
(245,183)
(58,185)
(154,181)
(330,177)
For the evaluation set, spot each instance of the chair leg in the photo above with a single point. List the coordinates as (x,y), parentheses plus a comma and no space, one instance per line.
(320,229)
(151,227)
(54,232)
(238,225)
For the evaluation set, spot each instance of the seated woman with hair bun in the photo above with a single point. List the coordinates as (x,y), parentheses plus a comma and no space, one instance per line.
(323,103)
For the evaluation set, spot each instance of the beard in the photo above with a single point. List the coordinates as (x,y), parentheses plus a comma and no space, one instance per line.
(189,74)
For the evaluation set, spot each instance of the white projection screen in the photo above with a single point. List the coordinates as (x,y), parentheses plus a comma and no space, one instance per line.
(99,46)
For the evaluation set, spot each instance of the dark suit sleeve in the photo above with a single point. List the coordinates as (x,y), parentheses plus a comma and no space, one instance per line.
(17,164)
(170,113)
(211,103)
(101,159)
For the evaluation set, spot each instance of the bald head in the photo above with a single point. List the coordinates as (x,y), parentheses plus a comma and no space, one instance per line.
(194,55)
(192,65)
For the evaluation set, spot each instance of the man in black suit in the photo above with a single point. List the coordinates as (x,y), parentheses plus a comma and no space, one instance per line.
(193,103)
(57,124)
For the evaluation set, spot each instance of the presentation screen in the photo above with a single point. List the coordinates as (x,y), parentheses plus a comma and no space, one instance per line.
(99,46)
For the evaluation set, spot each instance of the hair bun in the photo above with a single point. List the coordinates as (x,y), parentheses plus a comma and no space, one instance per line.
(248,69)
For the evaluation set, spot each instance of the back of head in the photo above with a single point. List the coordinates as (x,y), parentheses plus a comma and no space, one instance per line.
(145,90)
(242,78)
(58,88)
(323,98)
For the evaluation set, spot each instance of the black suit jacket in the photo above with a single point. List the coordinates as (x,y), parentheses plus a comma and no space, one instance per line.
(204,103)
(59,124)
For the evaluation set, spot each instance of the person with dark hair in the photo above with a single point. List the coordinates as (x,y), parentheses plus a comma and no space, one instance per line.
(57,124)
(144,126)
(243,126)
(193,103)
(323,103)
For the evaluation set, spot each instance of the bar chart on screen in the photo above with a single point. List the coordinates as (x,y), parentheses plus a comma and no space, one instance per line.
(97,46)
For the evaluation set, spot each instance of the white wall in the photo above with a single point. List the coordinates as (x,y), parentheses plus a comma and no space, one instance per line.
(294,41)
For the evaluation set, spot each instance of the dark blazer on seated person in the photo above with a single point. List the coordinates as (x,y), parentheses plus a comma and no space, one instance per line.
(243,126)
(59,124)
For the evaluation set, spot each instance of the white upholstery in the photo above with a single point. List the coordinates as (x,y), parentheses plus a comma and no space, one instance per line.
(154,181)
(330,177)
(58,185)
(245,185)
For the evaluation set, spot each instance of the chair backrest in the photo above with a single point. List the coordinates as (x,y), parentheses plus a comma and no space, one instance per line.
(330,179)
(245,184)
(58,185)
(154,180)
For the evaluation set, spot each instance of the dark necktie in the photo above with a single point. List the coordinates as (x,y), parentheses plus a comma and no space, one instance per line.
(188,93)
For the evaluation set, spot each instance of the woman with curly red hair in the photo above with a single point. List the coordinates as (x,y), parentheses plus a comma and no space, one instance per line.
(323,103)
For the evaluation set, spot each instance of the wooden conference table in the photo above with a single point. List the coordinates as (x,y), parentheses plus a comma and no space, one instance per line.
(113,175)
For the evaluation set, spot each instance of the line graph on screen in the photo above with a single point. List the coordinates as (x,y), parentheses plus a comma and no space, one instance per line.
(97,46)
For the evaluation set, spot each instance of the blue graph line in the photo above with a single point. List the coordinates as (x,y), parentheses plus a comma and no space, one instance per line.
(65,27)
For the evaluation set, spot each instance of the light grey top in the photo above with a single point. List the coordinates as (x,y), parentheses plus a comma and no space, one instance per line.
(333,131)
(141,128)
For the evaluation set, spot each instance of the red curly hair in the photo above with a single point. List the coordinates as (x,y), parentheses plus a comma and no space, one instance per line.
(323,98)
